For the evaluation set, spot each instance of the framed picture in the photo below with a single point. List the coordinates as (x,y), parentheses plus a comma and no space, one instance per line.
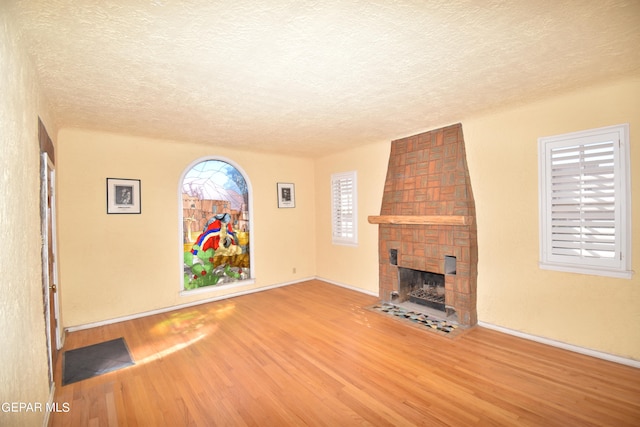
(123,196)
(286,195)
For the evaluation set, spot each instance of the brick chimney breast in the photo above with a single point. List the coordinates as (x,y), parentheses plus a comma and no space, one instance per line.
(428,214)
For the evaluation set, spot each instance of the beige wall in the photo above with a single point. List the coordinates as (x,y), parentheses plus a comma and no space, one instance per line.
(588,311)
(348,265)
(23,354)
(120,265)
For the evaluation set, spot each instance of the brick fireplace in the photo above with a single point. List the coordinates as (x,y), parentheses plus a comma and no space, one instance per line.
(427,221)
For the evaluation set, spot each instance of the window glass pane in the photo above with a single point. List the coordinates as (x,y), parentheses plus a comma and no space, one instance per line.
(216,228)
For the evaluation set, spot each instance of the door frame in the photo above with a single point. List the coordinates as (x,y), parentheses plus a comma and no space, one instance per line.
(50,284)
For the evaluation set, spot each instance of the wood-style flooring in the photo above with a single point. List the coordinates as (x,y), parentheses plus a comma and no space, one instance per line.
(312,354)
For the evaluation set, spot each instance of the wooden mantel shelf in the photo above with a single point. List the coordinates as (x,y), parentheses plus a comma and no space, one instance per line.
(421,219)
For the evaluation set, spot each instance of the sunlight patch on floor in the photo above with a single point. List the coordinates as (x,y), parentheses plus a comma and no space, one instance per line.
(173,349)
(191,324)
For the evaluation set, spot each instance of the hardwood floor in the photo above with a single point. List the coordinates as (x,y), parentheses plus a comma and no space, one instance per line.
(312,354)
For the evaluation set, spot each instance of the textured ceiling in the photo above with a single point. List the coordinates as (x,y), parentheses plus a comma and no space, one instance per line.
(308,77)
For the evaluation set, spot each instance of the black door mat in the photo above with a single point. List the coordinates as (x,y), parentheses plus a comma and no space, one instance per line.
(97,359)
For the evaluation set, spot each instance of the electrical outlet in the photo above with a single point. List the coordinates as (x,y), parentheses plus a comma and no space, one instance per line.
(294,270)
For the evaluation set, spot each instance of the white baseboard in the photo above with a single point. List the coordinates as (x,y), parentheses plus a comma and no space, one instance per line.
(52,392)
(342,285)
(179,306)
(576,349)
(204,301)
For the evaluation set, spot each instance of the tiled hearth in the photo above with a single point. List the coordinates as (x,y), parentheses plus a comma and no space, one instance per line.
(427,220)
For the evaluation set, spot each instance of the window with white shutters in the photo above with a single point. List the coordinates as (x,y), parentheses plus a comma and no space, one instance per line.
(585,202)
(344,225)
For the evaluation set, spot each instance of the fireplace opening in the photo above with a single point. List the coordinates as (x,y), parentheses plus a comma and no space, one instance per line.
(421,287)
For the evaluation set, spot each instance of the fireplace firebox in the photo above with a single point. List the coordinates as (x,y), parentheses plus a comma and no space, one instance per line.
(421,287)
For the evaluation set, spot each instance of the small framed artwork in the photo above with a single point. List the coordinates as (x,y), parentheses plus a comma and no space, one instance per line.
(123,196)
(286,195)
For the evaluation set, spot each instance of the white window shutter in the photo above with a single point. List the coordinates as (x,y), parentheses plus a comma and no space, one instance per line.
(583,200)
(344,208)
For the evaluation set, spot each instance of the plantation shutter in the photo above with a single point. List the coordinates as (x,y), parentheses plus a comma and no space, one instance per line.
(583,202)
(582,192)
(343,202)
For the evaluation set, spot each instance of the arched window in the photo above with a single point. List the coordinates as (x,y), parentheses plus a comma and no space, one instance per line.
(216,224)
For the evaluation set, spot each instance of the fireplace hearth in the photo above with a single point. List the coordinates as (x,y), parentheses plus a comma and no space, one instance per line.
(427,224)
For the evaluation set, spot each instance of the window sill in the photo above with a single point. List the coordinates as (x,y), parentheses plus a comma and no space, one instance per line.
(212,288)
(618,274)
